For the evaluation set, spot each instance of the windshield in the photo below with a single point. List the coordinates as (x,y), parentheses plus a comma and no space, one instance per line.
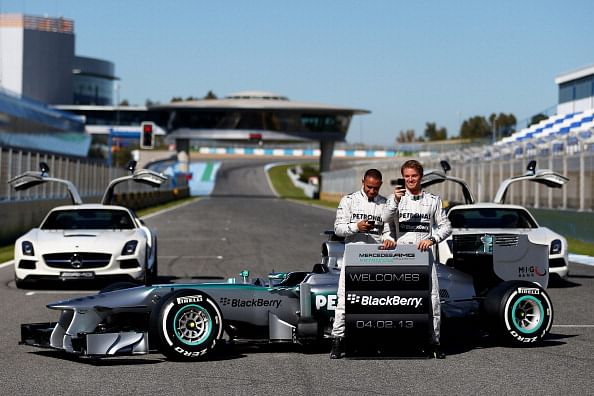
(491,218)
(88,219)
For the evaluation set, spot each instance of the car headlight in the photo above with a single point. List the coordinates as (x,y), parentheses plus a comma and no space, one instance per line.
(27,248)
(556,246)
(129,248)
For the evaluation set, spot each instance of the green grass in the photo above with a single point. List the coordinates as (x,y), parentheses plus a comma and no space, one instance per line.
(283,184)
(580,247)
(286,189)
(6,253)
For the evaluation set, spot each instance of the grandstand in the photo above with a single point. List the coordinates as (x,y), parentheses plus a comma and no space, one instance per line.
(557,134)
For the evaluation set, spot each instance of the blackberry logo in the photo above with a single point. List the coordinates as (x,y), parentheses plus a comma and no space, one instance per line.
(387,300)
(254,302)
(353,298)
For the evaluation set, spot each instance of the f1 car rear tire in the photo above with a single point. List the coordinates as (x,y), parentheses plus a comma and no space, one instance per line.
(520,312)
(188,324)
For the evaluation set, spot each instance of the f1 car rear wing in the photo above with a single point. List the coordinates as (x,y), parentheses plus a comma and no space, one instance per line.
(543,176)
(144,176)
(30,179)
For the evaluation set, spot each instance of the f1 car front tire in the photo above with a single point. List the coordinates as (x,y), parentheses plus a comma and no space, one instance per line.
(520,312)
(188,325)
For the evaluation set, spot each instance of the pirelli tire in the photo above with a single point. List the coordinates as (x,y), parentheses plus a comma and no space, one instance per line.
(187,325)
(519,312)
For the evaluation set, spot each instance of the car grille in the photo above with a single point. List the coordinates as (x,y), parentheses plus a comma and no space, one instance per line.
(507,240)
(77,260)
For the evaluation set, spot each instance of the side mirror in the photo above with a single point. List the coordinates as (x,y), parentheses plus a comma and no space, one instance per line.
(131,166)
(445,165)
(531,168)
(44,167)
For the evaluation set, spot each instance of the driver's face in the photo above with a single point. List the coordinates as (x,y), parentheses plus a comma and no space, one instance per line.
(371,186)
(412,178)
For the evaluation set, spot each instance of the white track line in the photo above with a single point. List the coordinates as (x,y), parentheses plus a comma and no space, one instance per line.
(586,326)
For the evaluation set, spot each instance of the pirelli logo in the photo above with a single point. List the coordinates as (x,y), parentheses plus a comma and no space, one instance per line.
(189,299)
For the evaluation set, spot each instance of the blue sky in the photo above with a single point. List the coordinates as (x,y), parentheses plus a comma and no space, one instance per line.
(409,62)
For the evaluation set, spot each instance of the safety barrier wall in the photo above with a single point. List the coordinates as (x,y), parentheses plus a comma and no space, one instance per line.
(91,178)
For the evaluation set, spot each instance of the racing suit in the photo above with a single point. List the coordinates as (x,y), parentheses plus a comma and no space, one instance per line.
(418,217)
(352,209)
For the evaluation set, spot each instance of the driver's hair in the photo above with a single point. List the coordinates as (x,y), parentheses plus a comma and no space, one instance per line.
(414,164)
(373,173)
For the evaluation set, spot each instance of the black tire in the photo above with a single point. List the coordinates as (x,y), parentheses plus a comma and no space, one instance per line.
(187,325)
(520,312)
(118,286)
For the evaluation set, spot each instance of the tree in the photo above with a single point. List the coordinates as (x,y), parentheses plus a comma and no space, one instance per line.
(407,136)
(149,103)
(210,95)
(124,103)
(176,99)
(503,124)
(475,127)
(433,133)
(537,118)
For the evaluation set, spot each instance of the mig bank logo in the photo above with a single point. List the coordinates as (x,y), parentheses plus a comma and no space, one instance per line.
(530,271)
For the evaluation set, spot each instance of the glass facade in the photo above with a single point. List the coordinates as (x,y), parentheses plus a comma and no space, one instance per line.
(92,90)
(576,89)
(271,120)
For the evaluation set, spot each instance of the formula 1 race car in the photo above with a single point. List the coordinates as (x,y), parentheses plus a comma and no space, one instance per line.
(86,241)
(186,321)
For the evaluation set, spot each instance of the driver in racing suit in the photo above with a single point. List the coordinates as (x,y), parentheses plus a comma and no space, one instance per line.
(419,219)
(359,218)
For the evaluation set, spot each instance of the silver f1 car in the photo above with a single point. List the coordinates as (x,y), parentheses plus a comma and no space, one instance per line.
(86,241)
(186,321)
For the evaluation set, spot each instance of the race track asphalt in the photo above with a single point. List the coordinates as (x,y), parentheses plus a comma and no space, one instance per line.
(244,226)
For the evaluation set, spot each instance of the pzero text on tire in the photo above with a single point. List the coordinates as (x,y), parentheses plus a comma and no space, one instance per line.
(188,324)
(519,311)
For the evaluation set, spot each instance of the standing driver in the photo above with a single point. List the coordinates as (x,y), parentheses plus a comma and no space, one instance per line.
(359,218)
(419,219)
